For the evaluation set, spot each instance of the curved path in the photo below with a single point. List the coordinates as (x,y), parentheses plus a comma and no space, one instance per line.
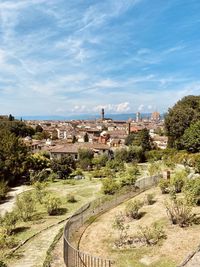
(9,202)
(33,253)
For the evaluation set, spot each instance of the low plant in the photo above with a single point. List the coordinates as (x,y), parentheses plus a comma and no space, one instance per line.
(52,205)
(40,191)
(149,199)
(6,241)
(164,186)
(71,198)
(191,190)
(179,212)
(178,180)
(3,189)
(151,235)
(25,206)
(8,222)
(109,186)
(121,227)
(2,264)
(132,209)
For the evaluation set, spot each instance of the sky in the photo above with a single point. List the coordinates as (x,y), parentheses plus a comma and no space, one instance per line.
(62,57)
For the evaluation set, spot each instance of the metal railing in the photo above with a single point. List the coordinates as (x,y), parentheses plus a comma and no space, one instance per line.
(78,222)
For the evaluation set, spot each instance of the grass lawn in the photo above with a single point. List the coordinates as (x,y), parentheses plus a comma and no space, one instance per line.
(84,191)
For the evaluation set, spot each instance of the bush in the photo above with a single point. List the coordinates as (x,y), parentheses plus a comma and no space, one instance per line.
(52,205)
(132,209)
(151,235)
(3,189)
(130,176)
(52,177)
(109,186)
(39,176)
(8,222)
(191,191)
(119,225)
(164,186)
(154,168)
(25,206)
(149,199)
(179,212)
(39,191)
(71,198)
(177,181)
(6,241)
(2,264)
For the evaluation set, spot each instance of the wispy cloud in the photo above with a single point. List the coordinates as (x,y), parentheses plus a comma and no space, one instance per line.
(76,56)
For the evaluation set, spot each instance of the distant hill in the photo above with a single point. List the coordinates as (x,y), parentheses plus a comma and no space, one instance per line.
(85,117)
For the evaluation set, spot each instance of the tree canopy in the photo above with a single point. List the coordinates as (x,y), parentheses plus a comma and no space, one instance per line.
(185,112)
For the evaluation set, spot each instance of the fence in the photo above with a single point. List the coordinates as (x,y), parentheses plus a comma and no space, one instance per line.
(73,257)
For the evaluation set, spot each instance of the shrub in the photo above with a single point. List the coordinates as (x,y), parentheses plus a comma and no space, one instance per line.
(151,235)
(52,177)
(109,186)
(2,264)
(71,198)
(179,212)
(132,209)
(52,205)
(39,176)
(177,181)
(149,199)
(130,176)
(25,206)
(154,168)
(164,186)
(8,222)
(191,191)
(3,189)
(119,225)
(39,191)
(6,241)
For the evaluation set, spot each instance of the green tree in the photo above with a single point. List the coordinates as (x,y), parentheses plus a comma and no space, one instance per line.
(191,138)
(121,155)
(63,167)
(38,129)
(13,155)
(85,158)
(180,117)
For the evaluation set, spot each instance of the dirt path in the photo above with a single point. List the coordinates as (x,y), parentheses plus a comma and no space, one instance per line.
(11,198)
(33,253)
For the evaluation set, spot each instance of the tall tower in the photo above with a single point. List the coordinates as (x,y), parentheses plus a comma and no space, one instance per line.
(138,117)
(102,114)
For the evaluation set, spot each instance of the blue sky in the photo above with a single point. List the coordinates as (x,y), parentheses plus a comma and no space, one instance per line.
(61,57)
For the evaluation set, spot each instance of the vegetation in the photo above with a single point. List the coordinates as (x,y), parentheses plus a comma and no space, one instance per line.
(52,205)
(25,207)
(179,212)
(132,209)
(179,118)
(109,186)
(151,235)
(63,167)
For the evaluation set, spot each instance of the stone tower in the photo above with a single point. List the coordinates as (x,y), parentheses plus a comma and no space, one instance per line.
(102,114)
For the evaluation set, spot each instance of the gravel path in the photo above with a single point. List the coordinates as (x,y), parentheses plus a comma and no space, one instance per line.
(33,253)
(9,203)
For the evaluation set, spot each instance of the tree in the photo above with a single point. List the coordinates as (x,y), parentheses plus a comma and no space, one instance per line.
(85,158)
(64,166)
(13,155)
(121,155)
(86,138)
(191,138)
(11,118)
(136,154)
(38,129)
(185,112)
(140,138)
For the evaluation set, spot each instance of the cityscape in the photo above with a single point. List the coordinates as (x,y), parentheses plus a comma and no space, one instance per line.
(99,133)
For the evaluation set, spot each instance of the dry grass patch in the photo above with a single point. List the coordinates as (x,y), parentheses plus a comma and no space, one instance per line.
(100,236)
